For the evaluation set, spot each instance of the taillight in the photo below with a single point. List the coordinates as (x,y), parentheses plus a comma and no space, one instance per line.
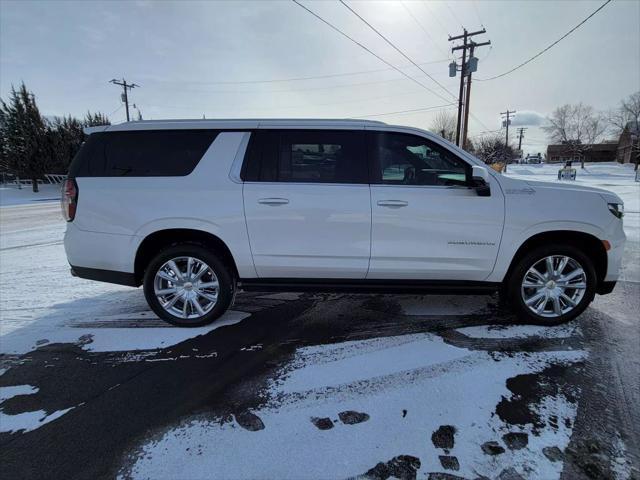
(69,199)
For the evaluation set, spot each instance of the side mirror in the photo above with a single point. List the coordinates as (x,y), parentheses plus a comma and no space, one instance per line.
(480,179)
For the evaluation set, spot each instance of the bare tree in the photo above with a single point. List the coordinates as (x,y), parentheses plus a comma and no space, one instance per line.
(576,126)
(444,124)
(625,124)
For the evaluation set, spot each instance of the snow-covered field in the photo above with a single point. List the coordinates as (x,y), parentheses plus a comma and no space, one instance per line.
(609,176)
(12,195)
(334,410)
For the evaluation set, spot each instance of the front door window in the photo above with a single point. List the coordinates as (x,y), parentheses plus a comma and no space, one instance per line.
(402,159)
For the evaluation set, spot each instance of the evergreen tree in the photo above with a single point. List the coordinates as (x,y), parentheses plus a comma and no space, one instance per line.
(24,140)
(4,166)
(95,119)
(31,145)
(65,137)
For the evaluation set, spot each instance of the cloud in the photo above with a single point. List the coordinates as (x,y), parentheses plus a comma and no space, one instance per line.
(527,118)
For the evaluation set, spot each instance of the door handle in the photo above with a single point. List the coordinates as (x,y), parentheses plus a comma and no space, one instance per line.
(392,203)
(273,201)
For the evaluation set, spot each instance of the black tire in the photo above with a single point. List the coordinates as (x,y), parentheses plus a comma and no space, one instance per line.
(514,284)
(223,273)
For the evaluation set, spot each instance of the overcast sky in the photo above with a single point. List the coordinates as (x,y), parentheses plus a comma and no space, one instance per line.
(191,58)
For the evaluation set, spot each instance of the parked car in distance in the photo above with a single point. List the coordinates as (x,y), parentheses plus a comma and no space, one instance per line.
(196,210)
(532,158)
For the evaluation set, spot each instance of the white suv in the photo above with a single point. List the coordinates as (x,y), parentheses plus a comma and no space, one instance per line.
(195,210)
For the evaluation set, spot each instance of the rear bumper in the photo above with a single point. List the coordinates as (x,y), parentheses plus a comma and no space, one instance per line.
(109,276)
(100,251)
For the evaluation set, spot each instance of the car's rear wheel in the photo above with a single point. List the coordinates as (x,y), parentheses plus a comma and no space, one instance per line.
(188,286)
(552,285)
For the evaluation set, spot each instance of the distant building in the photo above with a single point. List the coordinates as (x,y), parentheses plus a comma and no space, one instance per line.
(629,136)
(597,152)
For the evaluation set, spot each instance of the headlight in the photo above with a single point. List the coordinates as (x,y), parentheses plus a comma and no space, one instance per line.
(617,209)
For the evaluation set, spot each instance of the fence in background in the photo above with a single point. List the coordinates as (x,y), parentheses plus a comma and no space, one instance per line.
(10,180)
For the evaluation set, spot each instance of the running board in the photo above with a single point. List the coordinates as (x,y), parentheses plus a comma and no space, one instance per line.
(439,287)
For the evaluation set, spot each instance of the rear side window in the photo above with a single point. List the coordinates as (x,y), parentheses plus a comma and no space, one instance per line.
(91,153)
(144,153)
(307,156)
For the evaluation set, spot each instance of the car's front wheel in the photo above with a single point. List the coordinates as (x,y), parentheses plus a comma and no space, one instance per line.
(188,286)
(552,284)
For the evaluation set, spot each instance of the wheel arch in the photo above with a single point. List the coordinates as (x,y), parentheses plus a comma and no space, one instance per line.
(161,239)
(589,244)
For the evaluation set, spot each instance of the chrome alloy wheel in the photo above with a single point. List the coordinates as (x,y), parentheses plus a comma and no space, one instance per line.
(554,286)
(186,287)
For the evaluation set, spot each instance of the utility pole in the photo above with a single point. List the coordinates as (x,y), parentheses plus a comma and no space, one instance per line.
(468,66)
(467,97)
(508,113)
(520,137)
(125,87)
(465,36)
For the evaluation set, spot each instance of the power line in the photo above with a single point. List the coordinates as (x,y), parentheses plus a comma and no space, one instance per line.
(455,17)
(426,32)
(547,48)
(116,110)
(413,110)
(287,90)
(475,8)
(289,107)
(485,132)
(407,111)
(399,51)
(433,14)
(366,49)
(477,120)
(294,79)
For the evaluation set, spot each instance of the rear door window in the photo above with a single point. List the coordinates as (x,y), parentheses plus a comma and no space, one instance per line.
(307,156)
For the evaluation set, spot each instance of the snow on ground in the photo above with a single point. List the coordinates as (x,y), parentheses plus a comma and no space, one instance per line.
(25,195)
(613,176)
(41,303)
(408,386)
(26,421)
(520,331)
(9,392)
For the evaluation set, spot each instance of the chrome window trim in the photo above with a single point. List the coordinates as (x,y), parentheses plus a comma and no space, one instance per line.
(311,183)
(448,187)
